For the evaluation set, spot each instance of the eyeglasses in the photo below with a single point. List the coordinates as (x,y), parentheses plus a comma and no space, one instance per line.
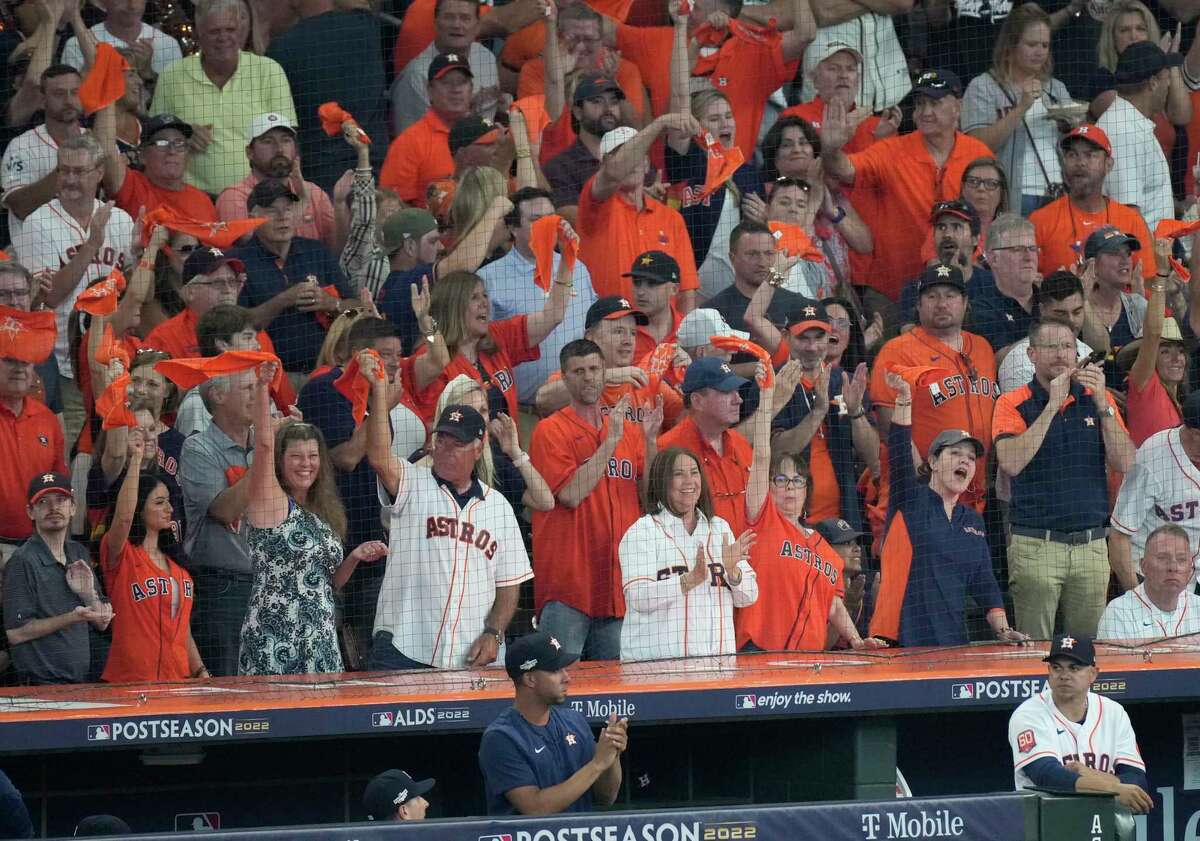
(77,171)
(1020,249)
(978,183)
(8,296)
(173,145)
(839,323)
(782,482)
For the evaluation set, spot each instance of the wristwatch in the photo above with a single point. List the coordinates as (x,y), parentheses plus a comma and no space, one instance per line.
(775,277)
(1108,412)
(839,216)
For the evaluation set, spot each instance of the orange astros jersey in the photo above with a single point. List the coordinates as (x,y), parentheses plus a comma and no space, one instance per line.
(799,576)
(959,394)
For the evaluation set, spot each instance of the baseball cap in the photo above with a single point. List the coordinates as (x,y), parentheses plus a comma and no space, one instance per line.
(265,193)
(1191,411)
(595,84)
(403,225)
(699,327)
(817,53)
(1073,647)
(941,275)
(611,307)
(1141,60)
(1090,134)
(537,651)
(711,372)
(1109,239)
(952,438)
(472,129)
(263,123)
(94,825)
(204,261)
(837,531)
(808,314)
(390,790)
(443,63)
(937,83)
(658,266)
(612,140)
(958,209)
(462,422)
(47,483)
(162,122)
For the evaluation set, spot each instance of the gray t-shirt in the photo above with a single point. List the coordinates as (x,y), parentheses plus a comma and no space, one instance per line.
(206,458)
(35,587)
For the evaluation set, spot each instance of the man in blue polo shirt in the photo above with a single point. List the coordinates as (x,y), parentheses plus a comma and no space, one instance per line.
(286,276)
(1057,437)
(1002,311)
(539,757)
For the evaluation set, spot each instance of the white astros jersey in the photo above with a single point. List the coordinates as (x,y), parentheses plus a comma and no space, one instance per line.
(29,158)
(49,239)
(1105,739)
(660,619)
(1133,616)
(1163,486)
(443,567)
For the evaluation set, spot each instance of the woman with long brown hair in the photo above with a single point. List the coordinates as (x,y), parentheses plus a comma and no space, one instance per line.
(296,526)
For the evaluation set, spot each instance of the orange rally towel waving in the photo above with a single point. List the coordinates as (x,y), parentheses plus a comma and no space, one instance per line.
(27,336)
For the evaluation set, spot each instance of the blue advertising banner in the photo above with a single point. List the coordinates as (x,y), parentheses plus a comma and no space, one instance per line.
(998,817)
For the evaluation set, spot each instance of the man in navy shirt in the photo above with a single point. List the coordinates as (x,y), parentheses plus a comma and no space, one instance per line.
(539,757)
(410,240)
(1002,311)
(287,277)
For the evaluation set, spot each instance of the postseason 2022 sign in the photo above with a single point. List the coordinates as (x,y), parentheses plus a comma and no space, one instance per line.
(999,817)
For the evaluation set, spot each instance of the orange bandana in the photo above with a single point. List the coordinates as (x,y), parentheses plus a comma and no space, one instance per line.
(113,405)
(334,117)
(736,345)
(544,234)
(105,82)
(722,163)
(27,336)
(189,373)
(793,240)
(218,234)
(103,297)
(355,387)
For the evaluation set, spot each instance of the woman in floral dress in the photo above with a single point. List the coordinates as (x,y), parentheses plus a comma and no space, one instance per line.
(296,526)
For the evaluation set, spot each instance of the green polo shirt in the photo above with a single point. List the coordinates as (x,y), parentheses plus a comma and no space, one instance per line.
(257,87)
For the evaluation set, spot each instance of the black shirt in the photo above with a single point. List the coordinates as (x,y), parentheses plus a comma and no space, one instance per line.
(732,304)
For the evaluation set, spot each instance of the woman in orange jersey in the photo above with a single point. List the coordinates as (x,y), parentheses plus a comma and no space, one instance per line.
(799,573)
(151,593)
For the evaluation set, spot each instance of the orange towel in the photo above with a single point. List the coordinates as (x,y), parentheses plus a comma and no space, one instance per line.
(27,336)
(355,387)
(105,82)
(102,298)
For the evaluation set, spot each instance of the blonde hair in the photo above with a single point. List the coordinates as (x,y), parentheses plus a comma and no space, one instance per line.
(448,304)
(1011,32)
(701,101)
(477,187)
(335,350)
(456,391)
(1106,49)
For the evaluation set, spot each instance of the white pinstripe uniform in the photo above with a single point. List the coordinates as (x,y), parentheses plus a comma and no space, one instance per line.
(1105,739)
(443,568)
(1133,616)
(29,158)
(1163,486)
(50,237)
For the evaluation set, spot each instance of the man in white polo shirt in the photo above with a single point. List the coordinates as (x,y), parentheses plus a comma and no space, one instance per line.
(1161,605)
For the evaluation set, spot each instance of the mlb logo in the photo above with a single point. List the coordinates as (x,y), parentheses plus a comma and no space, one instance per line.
(504,837)
(99,732)
(383,719)
(745,702)
(962,692)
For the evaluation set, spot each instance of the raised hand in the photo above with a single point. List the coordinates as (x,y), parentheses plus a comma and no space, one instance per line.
(81,580)
(684,124)
(420,299)
(874,331)
(616,418)
(626,374)
(854,389)
(697,575)
(504,430)
(733,553)
(96,229)
(899,385)
(653,420)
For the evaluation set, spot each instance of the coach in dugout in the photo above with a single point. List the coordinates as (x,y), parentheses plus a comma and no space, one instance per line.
(538,757)
(1161,605)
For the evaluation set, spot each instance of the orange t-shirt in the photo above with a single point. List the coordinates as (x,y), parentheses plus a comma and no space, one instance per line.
(650,49)
(30,443)
(640,399)
(1060,227)
(728,471)
(532,82)
(813,112)
(908,182)
(419,156)
(152,609)
(575,557)
(137,192)
(799,576)
(959,392)
(512,348)
(613,233)
(528,43)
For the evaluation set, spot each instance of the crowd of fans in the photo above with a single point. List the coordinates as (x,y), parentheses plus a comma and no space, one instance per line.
(676,328)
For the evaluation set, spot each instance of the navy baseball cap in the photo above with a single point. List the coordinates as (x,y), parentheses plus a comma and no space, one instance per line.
(470,130)
(596,84)
(942,275)
(1072,647)
(1109,238)
(808,315)
(538,651)
(46,483)
(265,193)
(612,307)
(462,422)
(445,62)
(658,266)
(837,531)
(1142,60)
(163,122)
(390,790)
(958,209)
(937,83)
(205,261)
(711,372)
